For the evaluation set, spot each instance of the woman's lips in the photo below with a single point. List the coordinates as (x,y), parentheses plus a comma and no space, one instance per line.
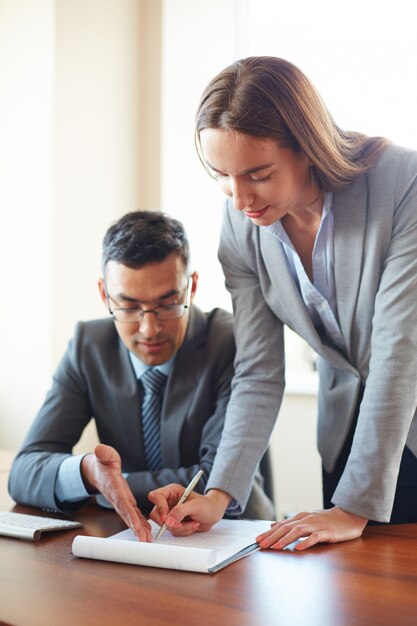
(256,214)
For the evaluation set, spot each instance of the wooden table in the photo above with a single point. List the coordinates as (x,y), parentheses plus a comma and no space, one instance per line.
(371,581)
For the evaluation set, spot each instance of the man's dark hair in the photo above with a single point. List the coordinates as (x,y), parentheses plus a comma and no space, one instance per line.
(143,237)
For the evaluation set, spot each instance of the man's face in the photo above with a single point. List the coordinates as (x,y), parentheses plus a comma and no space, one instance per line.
(157,284)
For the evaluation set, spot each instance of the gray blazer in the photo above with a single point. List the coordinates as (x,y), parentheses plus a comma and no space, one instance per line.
(95,379)
(375,256)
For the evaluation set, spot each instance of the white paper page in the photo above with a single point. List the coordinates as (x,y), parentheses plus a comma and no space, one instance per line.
(197,553)
(220,536)
(140,553)
(226,538)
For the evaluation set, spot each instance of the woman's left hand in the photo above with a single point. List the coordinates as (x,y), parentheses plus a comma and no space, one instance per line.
(330,526)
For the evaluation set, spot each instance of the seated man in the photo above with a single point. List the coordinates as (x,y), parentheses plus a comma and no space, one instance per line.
(155,378)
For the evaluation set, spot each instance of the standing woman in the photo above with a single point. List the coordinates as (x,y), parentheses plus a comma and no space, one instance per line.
(319,234)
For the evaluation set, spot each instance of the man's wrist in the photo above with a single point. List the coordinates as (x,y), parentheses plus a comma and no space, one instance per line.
(86,473)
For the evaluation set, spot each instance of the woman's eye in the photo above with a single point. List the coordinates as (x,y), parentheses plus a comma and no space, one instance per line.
(264,179)
(222,177)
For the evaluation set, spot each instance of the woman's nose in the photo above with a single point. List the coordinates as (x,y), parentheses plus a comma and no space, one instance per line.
(241,194)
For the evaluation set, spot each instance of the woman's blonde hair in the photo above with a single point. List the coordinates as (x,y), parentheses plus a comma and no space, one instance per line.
(271,98)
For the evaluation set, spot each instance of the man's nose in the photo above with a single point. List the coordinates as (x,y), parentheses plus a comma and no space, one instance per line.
(150,324)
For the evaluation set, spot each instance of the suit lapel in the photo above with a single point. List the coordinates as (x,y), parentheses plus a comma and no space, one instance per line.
(125,387)
(181,387)
(281,292)
(349,214)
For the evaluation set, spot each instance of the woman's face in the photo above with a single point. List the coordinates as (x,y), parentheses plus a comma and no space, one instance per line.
(265,181)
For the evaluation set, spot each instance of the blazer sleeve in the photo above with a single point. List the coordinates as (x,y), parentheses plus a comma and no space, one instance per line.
(56,429)
(388,408)
(258,384)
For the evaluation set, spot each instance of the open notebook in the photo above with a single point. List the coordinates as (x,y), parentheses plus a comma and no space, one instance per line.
(225,543)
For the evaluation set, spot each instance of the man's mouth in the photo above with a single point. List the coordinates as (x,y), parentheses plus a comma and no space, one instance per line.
(151,347)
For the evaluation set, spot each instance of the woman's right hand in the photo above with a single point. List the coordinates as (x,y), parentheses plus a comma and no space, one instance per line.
(198,514)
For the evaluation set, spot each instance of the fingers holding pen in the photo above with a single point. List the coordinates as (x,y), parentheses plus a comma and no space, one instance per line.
(176,516)
(183,519)
(197,514)
(164,499)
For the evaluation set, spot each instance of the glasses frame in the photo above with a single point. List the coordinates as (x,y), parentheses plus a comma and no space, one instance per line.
(141,312)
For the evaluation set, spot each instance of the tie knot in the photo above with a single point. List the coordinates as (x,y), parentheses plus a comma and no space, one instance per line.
(153,381)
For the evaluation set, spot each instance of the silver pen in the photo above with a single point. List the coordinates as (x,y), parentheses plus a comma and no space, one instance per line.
(183,498)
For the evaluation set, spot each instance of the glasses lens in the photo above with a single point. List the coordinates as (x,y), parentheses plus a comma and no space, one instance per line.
(127,316)
(163,313)
(170,312)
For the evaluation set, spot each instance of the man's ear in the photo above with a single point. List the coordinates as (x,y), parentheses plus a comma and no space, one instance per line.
(102,290)
(194,277)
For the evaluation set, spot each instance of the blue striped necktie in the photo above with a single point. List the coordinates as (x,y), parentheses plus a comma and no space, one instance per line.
(153,383)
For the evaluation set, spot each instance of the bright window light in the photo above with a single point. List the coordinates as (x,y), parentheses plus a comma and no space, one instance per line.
(360,54)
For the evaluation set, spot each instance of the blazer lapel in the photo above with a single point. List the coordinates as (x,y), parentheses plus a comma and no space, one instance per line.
(349,213)
(281,292)
(127,407)
(283,297)
(180,388)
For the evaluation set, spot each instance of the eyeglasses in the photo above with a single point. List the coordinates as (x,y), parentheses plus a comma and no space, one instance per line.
(164,312)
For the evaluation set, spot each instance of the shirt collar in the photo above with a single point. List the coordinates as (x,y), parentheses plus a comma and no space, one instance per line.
(140,367)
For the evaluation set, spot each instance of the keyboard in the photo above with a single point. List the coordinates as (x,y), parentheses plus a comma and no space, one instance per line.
(30,527)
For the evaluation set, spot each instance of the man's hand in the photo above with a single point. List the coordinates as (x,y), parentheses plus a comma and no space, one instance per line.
(329,526)
(198,514)
(102,471)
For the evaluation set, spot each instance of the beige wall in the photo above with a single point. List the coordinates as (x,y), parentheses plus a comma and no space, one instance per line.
(76,126)
(101,143)
(27,41)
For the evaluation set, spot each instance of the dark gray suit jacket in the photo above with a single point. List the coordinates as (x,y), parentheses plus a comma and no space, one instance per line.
(375,266)
(95,379)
